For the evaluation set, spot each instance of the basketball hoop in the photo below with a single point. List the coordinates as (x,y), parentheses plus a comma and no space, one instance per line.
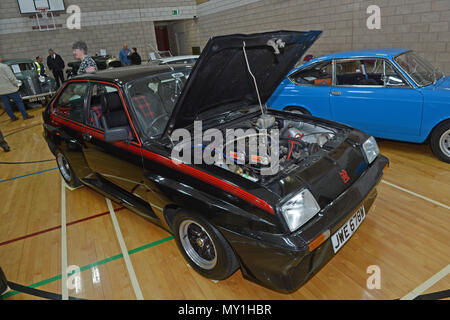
(43,11)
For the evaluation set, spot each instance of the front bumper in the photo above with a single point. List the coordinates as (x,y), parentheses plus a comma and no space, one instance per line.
(286,268)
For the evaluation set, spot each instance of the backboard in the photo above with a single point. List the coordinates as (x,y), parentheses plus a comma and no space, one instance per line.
(32,6)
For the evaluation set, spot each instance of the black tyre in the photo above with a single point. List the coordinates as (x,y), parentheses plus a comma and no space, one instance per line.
(440,141)
(298,110)
(202,245)
(66,170)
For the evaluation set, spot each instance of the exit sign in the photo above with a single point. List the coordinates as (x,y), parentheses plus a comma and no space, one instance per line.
(175,12)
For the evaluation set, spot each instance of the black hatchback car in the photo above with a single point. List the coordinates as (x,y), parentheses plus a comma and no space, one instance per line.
(115,131)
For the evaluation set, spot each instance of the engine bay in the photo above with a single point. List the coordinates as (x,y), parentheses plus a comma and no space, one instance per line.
(254,146)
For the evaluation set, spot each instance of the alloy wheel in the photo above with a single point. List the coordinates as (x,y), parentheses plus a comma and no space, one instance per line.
(198,244)
(64,167)
(444,143)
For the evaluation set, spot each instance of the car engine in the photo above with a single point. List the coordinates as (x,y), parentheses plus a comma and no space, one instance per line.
(257,146)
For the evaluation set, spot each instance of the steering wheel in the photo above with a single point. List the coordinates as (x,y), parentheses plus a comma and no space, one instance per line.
(152,124)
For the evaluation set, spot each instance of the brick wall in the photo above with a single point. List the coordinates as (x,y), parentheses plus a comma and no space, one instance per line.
(105,24)
(421,25)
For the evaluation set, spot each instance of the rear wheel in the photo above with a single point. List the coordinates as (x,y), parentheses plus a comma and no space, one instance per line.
(440,141)
(66,170)
(202,245)
(298,110)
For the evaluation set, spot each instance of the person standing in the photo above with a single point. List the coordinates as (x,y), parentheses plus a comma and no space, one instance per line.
(40,66)
(88,64)
(9,89)
(134,57)
(56,64)
(123,55)
(3,143)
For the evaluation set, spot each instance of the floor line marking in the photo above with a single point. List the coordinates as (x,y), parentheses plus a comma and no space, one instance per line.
(92,265)
(64,290)
(417,195)
(27,175)
(132,274)
(427,284)
(58,227)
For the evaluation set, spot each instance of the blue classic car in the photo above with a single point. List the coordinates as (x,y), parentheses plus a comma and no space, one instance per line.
(388,93)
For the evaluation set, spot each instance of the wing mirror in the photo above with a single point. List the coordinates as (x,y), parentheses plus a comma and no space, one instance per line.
(393,81)
(116,134)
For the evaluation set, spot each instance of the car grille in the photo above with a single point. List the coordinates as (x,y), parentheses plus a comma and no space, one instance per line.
(32,86)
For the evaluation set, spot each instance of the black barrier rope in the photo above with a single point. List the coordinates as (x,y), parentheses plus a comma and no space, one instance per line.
(434,296)
(37,292)
(22,129)
(27,162)
(5,285)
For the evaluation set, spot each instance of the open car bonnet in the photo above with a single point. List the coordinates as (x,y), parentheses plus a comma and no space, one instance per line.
(220,78)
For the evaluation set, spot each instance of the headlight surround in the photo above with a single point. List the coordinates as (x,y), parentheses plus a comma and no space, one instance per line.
(300,209)
(371,150)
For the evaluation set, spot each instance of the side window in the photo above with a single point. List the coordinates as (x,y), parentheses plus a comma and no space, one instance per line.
(350,73)
(367,72)
(95,104)
(319,74)
(70,103)
(106,110)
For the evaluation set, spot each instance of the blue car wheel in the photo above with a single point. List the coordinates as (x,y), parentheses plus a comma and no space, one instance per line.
(440,141)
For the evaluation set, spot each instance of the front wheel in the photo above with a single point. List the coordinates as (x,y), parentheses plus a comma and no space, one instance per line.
(440,141)
(202,245)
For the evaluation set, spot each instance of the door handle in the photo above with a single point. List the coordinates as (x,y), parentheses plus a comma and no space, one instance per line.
(336,93)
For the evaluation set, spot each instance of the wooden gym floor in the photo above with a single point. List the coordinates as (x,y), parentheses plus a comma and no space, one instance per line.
(46,229)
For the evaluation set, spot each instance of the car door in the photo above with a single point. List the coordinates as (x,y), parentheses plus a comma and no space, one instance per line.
(152,99)
(308,88)
(117,166)
(67,117)
(371,95)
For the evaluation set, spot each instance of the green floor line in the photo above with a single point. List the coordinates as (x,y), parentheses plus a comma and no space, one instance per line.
(89,266)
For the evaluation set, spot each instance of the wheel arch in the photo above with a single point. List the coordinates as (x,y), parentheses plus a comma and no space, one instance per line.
(298,107)
(430,132)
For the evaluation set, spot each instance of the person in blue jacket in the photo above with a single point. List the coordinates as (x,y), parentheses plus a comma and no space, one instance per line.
(123,55)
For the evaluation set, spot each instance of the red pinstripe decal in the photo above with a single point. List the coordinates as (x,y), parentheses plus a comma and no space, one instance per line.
(203,176)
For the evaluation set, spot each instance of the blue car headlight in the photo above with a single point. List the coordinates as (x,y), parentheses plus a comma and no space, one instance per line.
(300,209)
(371,149)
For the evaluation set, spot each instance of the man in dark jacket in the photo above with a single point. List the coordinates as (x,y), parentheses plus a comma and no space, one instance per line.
(134,57)
(56,64)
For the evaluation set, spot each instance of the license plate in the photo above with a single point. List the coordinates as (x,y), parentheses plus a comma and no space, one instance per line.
(36,99)
(340,237)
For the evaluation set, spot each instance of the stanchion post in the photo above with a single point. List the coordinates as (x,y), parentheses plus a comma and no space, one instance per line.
(3,283)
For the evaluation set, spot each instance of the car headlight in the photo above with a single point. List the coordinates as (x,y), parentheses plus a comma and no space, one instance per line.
(371,149)
(19,82)
(300,209)
(41,78)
